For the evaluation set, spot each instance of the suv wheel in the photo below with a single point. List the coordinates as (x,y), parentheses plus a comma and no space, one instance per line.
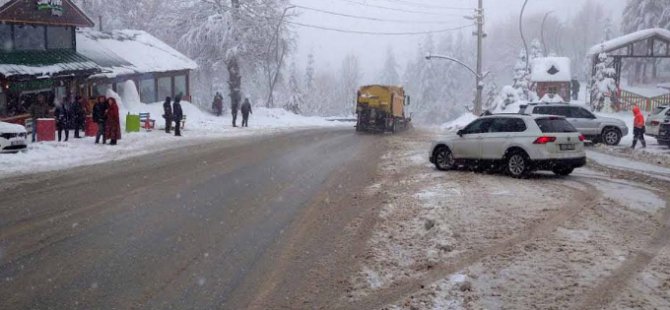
(611,136)
(517,164)
(444,159)
(563,171)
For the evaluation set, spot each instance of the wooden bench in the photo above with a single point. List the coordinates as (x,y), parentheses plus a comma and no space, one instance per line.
(147,122)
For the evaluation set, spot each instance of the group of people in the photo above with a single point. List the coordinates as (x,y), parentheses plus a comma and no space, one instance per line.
(71,115)
(172,112)
(106,116)
(235,108)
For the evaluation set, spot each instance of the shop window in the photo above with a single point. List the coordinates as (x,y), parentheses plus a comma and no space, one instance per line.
(180,85)
(6,43)
(148,91)
(27,37)
(164,87)
(59,38)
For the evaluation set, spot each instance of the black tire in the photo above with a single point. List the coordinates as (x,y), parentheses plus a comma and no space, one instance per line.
(563,171)
(444,159)
(517,165)
(611,136)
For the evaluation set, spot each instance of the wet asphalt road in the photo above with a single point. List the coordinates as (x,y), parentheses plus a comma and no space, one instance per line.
(182,229)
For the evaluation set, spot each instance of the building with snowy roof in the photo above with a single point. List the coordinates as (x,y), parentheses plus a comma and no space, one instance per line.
(48,47)
(157,69)
(551,75)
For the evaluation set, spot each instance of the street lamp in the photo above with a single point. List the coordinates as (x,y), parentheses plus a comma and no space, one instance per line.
(480,77)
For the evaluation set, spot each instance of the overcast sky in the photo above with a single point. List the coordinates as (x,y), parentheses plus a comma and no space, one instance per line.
(330,47)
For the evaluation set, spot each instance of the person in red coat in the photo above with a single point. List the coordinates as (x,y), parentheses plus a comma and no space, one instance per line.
(113,125)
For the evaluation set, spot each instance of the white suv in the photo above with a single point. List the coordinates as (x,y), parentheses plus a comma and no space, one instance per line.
(517,143)
(659,116)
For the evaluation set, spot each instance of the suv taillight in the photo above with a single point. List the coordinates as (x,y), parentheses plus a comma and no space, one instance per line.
(582,138)
(655,123)
(544,140)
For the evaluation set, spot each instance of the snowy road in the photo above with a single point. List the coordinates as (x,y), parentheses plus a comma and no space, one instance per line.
(328,219)
(217,226)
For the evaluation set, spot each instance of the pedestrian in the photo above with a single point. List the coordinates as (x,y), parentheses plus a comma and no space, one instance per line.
(234,107)
(167,114)
(639,128)
(575,89)
(217,105)
(62,116)
(246,110)
(112,123)
(177,114)
(79,116)
(39,109)
(100,117)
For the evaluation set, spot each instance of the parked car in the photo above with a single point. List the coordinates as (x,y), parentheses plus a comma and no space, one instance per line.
(595,128)
(12,138)
(517,143)
(663,136)
(654,121)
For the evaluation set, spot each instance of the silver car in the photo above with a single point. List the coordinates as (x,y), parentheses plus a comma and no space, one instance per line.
(658,116)
(596,128)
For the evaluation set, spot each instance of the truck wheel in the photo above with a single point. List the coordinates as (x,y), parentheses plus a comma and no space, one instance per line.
(444,159)
(611,136)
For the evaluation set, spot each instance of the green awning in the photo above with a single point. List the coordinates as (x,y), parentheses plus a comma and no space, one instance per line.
(50,63)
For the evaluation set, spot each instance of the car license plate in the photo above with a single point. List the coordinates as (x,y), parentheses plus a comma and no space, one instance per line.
(17,142)
(567,147)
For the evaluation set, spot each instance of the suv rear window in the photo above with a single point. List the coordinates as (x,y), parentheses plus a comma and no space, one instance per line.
(554,125)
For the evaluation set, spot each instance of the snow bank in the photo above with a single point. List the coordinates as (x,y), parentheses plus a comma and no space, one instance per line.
(459,123)
(201,127)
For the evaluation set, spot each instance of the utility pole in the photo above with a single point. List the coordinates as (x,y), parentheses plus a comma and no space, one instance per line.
(479,18)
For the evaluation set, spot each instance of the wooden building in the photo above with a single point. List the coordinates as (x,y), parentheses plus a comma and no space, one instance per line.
(49,47)
(551,75)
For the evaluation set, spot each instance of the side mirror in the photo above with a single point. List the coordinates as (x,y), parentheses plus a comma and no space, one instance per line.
(460,133)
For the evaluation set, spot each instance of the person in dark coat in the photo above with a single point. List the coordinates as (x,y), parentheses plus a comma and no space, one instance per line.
(217,105)
(100,117)
(62,116)
(78,116)
(246,110)
(112,123)
(234,107)
(167,114)
(177,114)
(39,109)
(575,89)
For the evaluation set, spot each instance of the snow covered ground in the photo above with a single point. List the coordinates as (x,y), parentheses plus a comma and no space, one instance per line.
(200,128)
(463,240)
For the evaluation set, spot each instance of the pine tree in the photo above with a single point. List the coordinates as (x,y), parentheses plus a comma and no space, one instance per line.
(296,96)
(603,84)
(536,50)
(389,74)
(644,14)
(521,77)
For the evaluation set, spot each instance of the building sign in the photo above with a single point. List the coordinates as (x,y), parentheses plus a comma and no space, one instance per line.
(56,6)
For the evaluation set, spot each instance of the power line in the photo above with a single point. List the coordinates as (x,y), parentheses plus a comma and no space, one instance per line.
(379,33)
(393,9)
(429,6)
(370,18)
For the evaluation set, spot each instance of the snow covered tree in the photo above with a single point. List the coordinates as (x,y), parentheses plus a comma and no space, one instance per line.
(491,95)
(521,77)
(536,50)
(603,84)
(389,74)
(350,77)
(231,34)
(295,96)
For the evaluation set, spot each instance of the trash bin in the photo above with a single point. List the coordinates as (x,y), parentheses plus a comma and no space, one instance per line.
(46,129)
(91,127)
(132,123)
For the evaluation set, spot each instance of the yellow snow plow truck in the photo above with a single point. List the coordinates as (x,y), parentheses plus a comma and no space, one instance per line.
(382,109)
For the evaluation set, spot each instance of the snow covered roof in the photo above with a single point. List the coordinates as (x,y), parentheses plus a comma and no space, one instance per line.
(624,40)
(647,92)
(126,52)
(44,64)
(551,69)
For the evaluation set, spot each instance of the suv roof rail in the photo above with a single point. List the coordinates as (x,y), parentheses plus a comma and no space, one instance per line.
(548,103)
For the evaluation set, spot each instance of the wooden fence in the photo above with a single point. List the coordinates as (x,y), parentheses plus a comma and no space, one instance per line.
(629,100)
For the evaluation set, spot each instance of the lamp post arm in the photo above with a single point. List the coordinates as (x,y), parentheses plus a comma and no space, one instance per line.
(429,57)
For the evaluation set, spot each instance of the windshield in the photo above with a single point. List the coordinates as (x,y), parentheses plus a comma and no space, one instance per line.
(658,110)
(555,125)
